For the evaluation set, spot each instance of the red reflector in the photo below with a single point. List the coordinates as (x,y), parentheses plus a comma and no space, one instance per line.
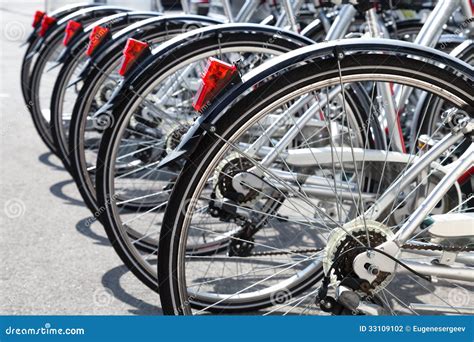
(466,176)
(97,35)
(133,50)
(71,29)
(46,23)
(217,75)
(37,18)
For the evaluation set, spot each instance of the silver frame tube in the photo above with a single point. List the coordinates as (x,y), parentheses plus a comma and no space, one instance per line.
(290,15)
(387,198)
(433,27)
(414,221)
(341,24)
(441,271)
(246,11)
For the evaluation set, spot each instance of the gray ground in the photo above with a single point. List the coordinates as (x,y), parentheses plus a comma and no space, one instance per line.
(50,262)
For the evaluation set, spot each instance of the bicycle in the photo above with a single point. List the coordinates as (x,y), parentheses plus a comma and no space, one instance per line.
(269,189)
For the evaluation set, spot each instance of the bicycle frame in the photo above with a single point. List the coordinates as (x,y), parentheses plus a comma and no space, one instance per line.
(393,246)
(457,169)
(244,15)
(427,37)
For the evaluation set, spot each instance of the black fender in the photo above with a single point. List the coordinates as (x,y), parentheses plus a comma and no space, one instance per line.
(58,15)
(34,41)
(161,52)
(84,15)
(164,54)
(144,29)
(114,22)
(78,45)
(334,49)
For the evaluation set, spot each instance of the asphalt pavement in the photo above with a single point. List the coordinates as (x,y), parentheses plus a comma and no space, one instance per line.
(51,262)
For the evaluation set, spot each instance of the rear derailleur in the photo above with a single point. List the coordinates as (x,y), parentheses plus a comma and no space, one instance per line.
(349,301)
(242,242)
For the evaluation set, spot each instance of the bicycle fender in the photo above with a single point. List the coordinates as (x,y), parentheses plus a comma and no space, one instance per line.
(85,14)
(334,49)
(113,22)
(138,30)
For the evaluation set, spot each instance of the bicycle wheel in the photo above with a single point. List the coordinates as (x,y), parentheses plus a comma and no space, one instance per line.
(63,95)
(428,119)
(145,129)
(424,121)
(43,78)
(280,253)
(102,78)
(34,41)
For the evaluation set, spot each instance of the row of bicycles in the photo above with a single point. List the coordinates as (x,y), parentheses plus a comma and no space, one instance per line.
(271,157)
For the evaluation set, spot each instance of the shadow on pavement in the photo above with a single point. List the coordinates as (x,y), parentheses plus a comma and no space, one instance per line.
(84,227)
(111,281)
(46,158)
(58,191)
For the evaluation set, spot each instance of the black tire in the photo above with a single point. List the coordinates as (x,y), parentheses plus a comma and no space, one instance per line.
(34,41)
(42,125)
(53,43)
(59,133)
(57,99)
(233,36)
(173,292)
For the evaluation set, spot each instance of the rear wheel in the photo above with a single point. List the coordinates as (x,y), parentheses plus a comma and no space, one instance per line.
(148,126)
(283,248)
(41,85)
(85,132)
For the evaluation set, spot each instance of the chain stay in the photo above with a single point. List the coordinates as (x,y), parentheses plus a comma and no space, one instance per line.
(408,246)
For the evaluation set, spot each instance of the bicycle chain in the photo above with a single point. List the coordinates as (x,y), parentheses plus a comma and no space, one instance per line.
(409,246)
(435,247)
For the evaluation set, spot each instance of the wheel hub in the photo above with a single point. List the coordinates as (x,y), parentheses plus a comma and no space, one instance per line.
(233,165)
(342,248)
